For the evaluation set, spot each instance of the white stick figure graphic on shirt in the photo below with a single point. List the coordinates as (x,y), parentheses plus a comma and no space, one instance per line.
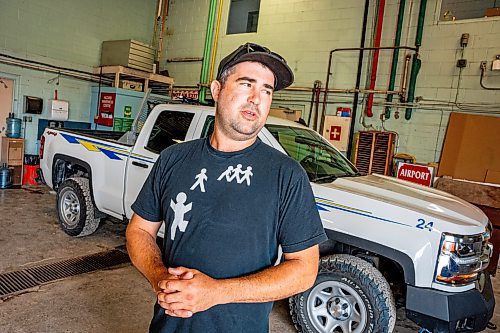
(179,210)
(237,173)
(200,179)
(246,175)
(226,173)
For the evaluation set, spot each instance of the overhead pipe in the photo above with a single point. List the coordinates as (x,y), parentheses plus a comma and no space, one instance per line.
(404,81)
(327,90)
(358,75)
(206,53)
(416,62)
(316,104)
(162,32)
(395,56)
(313,100)
(155,27)
(378,37)
(187,59)
(216,39)
(43,67)
(483,69)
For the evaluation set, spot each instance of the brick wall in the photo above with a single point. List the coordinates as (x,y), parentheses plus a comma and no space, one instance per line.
(65,34)
(304,31)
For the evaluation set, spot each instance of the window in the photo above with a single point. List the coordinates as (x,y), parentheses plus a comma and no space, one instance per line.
(208,127)
(243,16)
(170,128)
(452,10)
(321,162)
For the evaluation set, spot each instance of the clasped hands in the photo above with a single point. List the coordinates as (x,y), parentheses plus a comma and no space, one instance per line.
(186,291)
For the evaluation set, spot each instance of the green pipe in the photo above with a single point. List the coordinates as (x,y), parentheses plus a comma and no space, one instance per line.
(395,56)
(205,65)
(416,63)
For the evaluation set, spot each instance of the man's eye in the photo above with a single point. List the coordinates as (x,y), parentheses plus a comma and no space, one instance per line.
(246,84)
(268,92)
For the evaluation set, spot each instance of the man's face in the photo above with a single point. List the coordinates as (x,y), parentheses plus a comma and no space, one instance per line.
(244,101)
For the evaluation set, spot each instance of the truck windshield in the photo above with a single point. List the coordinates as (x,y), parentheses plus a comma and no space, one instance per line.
(321,162)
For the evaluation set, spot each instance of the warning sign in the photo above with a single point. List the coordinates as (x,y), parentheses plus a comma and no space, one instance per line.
(415,173)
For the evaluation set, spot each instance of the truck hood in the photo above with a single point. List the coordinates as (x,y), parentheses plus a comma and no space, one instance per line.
(412,196)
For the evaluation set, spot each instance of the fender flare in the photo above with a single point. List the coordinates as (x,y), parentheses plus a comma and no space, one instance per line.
(71,160)
(397,256)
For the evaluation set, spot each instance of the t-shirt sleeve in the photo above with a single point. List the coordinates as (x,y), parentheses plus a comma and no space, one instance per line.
(148,202)
(300,226)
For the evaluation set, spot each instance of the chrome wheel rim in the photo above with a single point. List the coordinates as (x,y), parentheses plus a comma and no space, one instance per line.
(70,208)
(333,306)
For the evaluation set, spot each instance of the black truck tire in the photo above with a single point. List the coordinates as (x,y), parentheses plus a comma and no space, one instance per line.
(349,295)
(75,209)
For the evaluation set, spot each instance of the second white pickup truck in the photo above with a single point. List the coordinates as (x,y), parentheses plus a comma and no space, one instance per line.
(388,239)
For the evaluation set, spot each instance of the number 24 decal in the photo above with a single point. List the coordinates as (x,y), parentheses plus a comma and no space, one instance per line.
(424,225)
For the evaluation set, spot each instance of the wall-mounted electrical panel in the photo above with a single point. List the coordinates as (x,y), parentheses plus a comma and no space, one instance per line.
(58,110)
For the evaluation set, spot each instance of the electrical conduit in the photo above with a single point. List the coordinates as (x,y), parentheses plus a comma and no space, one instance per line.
(206,53)
(416,62)
(378,37)
(395,56)
(358,77)
(216,39)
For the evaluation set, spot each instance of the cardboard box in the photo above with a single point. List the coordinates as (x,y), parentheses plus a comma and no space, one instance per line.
(285,113)
(471,148)
(131,85)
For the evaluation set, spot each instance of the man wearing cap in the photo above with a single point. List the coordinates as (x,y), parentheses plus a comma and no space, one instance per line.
(228,202)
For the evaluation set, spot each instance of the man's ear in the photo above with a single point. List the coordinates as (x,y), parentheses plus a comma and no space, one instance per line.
(215,88)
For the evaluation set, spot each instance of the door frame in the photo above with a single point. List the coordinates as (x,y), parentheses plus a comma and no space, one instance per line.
(16,101)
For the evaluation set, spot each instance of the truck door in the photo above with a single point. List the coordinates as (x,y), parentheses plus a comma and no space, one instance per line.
(170,127)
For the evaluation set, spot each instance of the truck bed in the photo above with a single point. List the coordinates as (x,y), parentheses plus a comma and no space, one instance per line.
(111,136)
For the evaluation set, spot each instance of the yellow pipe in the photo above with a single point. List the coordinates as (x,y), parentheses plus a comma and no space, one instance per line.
(214,49)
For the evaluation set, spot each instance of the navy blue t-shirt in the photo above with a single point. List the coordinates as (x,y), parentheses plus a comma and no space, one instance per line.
(225,214)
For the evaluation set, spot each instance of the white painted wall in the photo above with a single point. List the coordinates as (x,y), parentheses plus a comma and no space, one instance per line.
(304,31)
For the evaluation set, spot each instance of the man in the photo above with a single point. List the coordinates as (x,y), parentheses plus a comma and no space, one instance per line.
(228,202)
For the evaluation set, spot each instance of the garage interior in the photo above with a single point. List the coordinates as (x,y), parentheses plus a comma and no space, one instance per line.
(403,88)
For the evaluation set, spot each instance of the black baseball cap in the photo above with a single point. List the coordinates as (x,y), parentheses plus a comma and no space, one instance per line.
(283,75)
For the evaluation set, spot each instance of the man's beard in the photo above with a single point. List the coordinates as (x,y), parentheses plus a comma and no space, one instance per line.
(239,131)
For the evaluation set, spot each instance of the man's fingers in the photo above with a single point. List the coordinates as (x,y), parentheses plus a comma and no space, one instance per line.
(186,276)
(172,298)
(165,287)
(179,313)
(178,270)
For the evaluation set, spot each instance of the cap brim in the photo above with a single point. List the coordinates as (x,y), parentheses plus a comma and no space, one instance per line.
(282,72)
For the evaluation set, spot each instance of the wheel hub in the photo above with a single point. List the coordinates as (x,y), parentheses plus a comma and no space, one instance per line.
(339,308)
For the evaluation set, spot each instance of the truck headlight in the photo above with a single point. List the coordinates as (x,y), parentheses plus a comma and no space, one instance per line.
(461,258)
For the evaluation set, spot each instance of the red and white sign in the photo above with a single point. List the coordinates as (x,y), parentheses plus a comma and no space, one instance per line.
(106,109)
(335,133)
(191,94)
(415,173)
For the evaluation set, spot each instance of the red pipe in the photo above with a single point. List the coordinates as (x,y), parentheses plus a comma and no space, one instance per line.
(378,37)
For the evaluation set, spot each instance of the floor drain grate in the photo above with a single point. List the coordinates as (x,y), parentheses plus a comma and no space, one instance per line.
(15,282)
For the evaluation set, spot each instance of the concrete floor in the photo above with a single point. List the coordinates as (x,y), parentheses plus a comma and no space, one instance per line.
(112,300)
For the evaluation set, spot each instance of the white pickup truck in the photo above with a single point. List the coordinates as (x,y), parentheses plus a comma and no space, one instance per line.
(388,239)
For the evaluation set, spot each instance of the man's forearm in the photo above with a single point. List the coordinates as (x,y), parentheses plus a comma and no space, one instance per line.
(273,283)
(201,292)
(146,256)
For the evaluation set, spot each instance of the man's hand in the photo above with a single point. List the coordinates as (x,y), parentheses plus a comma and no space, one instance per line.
(187,292)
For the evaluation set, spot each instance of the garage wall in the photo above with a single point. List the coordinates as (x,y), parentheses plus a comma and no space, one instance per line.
(304,31)
(65,34)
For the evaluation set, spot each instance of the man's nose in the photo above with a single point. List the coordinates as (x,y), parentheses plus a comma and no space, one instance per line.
(254,96)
